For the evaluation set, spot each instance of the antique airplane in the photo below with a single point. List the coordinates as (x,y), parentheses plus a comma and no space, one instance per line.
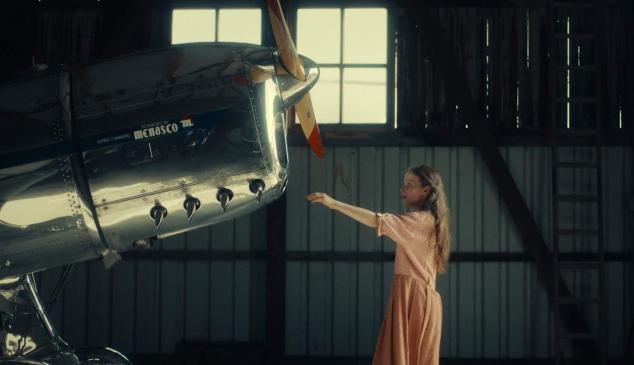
(107,157)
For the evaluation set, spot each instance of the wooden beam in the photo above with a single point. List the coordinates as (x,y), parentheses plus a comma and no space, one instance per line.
(629,346)
(532,240)
(356,135)
(431,3)
(628,353)
(349,256)
(275,279)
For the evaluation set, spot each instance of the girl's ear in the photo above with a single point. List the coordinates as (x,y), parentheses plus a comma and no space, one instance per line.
(426,189)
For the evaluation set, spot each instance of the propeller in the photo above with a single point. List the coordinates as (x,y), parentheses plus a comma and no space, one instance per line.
(294,66)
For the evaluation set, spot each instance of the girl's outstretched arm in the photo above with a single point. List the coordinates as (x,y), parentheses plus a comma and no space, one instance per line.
(359,214)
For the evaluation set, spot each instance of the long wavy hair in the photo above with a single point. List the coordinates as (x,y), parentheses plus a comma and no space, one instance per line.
(436,204)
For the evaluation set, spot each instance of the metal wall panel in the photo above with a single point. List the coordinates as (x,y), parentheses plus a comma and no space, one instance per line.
(491,309)
(334,307)
(150,306)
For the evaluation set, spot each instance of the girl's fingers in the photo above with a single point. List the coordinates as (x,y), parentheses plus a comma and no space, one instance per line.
(313,198)
(316,197)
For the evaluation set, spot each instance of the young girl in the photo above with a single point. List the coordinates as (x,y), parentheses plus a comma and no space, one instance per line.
(410,332)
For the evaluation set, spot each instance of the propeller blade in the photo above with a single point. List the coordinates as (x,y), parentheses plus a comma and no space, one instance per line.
(294,66)
(306,114)
(285,46)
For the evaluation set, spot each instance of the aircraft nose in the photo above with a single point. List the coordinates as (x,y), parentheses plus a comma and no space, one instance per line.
(293,89)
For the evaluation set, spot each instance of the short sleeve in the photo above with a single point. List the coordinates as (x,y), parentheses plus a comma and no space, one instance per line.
(399,227)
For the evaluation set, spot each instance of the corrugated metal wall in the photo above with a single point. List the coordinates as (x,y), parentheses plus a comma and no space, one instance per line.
(491,309)
(150,305)
(338,278)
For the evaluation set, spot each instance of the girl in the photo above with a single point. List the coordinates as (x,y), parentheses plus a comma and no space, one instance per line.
(410,332)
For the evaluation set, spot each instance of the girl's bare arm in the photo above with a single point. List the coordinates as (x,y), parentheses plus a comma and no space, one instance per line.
(359,214)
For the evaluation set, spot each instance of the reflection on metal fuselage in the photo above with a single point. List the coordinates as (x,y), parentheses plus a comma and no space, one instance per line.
(145,145)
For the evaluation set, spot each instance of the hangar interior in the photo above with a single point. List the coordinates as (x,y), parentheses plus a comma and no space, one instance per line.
(524,107)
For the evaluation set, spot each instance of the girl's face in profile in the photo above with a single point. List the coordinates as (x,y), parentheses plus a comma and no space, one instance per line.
(413,193)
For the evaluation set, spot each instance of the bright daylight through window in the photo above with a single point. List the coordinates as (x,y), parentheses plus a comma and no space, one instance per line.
(350,46)
(210,25)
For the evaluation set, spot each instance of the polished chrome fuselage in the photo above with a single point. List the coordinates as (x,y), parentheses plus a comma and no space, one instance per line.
(87,153)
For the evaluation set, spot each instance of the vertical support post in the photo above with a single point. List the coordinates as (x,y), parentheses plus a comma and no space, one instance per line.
(275,280)
(629,345)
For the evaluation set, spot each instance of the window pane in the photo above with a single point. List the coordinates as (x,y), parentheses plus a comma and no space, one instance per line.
(365,35)
(319,34)
(193,25)
(325,96)
(240,25)
(364,95)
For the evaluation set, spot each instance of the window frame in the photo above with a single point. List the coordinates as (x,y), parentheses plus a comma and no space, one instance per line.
(218,5)
(353,132)
(348,128)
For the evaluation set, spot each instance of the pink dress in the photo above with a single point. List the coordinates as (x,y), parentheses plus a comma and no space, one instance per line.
(410,332)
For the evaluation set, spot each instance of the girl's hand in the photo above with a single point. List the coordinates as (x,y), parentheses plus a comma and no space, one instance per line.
(321,198)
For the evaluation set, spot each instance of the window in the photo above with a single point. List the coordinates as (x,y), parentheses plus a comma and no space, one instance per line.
(350,46)
(222,25)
